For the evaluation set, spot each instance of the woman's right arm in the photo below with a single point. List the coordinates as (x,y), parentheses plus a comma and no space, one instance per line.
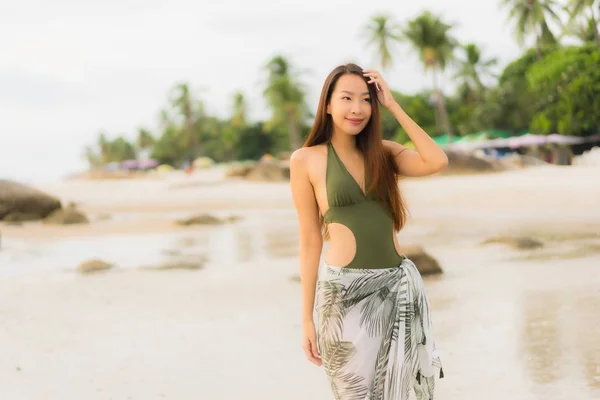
(311,240)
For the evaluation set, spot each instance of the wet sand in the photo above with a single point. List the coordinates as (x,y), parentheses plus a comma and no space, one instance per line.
(511,324)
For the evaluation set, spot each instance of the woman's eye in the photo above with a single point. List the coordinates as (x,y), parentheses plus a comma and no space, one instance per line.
(368,100)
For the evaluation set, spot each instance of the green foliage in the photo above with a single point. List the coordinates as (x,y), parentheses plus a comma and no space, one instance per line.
(118,149)
(566,89)
(419,107)
(547,89)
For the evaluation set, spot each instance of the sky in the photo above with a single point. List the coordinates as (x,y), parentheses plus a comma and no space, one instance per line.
(72,68)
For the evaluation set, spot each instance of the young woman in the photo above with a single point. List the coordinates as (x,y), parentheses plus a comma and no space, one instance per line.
(373,332)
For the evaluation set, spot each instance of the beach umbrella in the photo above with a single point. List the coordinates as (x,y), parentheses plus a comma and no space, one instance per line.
(562,139)
(526,140)
(129,164)
(147,164)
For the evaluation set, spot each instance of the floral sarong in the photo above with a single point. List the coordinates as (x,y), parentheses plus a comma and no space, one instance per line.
(374,333)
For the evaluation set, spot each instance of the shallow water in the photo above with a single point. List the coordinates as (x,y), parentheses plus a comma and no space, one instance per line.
(258,236)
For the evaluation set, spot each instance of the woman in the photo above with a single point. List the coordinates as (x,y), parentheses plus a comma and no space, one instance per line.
(372,332)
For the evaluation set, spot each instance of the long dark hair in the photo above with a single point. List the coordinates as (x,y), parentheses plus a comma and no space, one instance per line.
(380,165)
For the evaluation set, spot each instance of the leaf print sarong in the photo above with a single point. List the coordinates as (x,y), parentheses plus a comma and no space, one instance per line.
(374,333)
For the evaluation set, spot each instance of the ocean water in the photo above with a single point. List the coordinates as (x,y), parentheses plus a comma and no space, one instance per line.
(255,238)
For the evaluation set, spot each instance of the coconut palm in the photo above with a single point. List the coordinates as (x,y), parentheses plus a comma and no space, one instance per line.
(286,97)
(578,8)
(232,131)
(144,139)
(430,37)
(240,109)
(472,68)
(185,104)
(531,19)
(381,31)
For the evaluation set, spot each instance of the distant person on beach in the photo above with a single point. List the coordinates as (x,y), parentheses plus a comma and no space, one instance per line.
(365,313)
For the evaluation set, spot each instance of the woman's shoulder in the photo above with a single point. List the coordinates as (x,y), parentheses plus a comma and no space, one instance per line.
(308,155)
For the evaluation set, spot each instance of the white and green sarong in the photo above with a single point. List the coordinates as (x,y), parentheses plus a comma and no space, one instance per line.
(374,333)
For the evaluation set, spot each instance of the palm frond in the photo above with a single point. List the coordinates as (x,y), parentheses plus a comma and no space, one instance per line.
(349,387)
(336,355)
(332,311)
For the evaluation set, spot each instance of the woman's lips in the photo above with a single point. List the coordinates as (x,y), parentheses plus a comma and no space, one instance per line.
(355,121)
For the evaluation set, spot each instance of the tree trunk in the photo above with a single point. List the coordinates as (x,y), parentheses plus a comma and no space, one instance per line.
(191,131)
(441,106)
(596,32)
(538,49)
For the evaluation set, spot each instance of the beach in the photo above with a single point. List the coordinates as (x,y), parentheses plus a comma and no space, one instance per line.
(511,323)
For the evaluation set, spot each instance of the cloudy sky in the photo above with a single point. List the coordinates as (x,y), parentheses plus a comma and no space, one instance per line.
(71,68)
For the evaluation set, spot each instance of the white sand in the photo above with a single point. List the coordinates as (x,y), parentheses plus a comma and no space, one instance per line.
(510,324)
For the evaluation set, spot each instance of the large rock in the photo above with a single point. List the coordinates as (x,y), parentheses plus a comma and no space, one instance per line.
(24,201)
(240,170)
(94,265)
(270,171)
(17,217)
(426,264)
(464,162)
(66,216)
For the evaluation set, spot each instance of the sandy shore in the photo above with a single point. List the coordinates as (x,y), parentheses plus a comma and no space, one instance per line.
(518,324)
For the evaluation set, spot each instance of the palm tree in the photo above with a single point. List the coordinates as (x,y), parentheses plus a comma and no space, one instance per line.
(577,8)
(472,67)
(240,109)
(531,19)
(233,130)
(144,139)
(381,32)
(183,102)
(104,147)
(431,39)
(286,97)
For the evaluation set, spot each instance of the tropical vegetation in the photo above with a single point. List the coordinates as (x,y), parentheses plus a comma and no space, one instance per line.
(553,87)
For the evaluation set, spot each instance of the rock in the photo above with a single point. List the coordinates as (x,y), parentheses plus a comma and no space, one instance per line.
(206,219)
(519,242)
(14,223)
(95,265)
(203,219)
(464,162)
(284,155)
(18,217)
(103,217)
(238,171)
(180,264)
(66,216)
(18,198)
(270,171)
(426,264)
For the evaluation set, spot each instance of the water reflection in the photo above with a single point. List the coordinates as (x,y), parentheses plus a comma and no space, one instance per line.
(587,309)
(281,240)
(244,244)
(541,336)
(263,235)
(561,338)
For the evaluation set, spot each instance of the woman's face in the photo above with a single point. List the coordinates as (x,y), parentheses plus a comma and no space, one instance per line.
(350,104)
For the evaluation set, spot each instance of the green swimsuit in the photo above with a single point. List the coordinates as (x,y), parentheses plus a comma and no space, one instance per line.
(364,215)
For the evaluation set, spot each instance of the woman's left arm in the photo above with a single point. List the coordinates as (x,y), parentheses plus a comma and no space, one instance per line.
(428,158)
